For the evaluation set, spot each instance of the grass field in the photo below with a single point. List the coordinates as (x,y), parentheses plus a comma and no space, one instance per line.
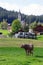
(12,54)
(17,56)
(40,37)
(5,32)
(16,42)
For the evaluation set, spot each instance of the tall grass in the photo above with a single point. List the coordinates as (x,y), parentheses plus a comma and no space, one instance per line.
(16,42)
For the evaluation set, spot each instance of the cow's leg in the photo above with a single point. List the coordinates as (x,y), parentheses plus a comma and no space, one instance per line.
(31,52)
(26,52)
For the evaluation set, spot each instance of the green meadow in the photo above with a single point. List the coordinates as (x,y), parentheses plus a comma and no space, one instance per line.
(17,56)
(40,37)
(4,32)
(12,54)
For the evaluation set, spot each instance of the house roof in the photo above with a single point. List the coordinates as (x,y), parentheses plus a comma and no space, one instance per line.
(39,28)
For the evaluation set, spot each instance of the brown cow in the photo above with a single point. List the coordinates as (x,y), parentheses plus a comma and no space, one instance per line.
(28,48)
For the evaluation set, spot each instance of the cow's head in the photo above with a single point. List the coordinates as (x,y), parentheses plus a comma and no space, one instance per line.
(22,46)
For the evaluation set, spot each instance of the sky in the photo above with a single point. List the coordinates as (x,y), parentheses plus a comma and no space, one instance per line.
(28,7)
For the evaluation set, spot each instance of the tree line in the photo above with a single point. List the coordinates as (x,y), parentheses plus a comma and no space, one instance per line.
(12,15)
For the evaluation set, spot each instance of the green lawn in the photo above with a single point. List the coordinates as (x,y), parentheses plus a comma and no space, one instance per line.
(17,56)
(12,54)
(40,37)
(5,32)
